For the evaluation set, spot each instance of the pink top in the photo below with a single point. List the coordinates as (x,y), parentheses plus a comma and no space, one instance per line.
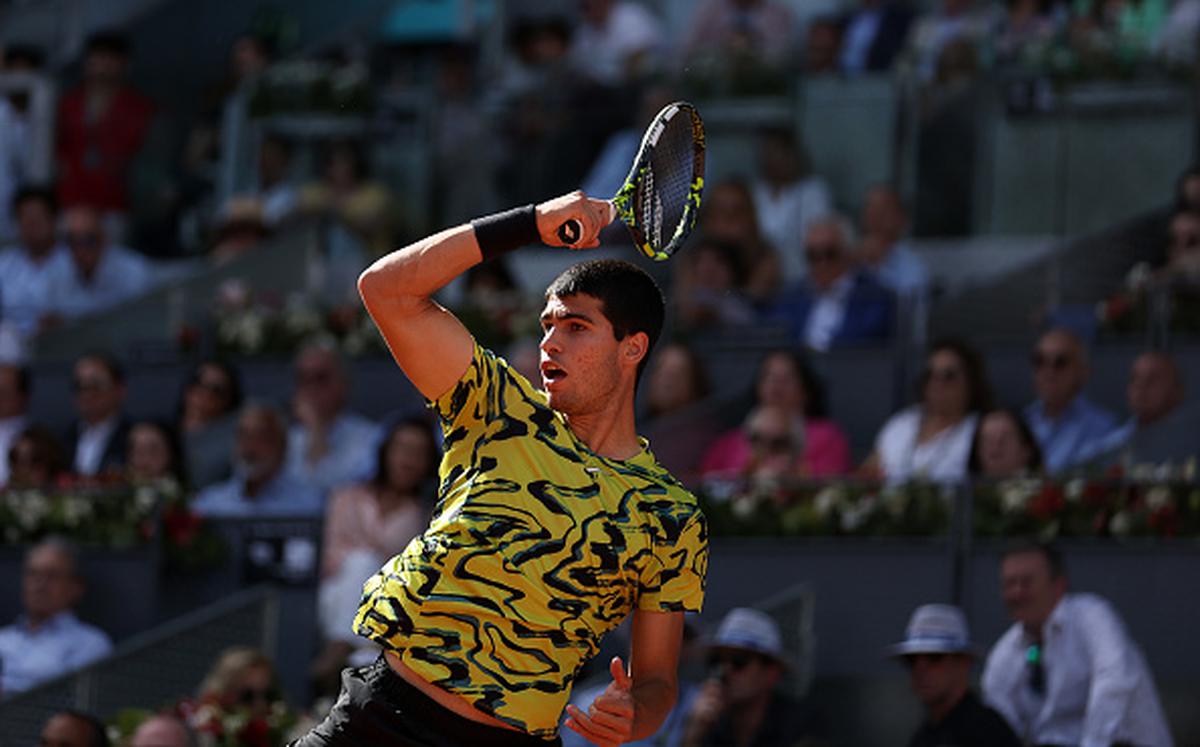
(354,521)
(826,451)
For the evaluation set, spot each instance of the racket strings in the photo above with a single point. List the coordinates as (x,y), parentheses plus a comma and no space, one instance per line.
(665,185)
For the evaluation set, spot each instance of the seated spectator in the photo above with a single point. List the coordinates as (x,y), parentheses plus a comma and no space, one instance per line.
(328,446)
(260,486)
(677,421)
(873,36)
(102,125)
(1161,431)
(35,459)
(97,439)
(740,39)
(1026,33)
(616,41)
(938,652)
(1183,247)
(822,47)
(728,214)
(47,640)
(710,288)
(1067,424)
(885,251)
(1176,40)
(1104,32)
(277,192)
(959,22)
(242,679)
(72,728)
(155,454)
(101,274)
(784,380)
(366,207)
(239,230)
(208,419)
(741,702)
(365,525)
(788,198)
(27,267)
(776,436)
(1004,447)
(931,440)
(836,304)
(1067,672)
(15,388)
(162,730)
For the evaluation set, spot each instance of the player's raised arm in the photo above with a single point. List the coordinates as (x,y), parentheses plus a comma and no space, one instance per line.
(427,341)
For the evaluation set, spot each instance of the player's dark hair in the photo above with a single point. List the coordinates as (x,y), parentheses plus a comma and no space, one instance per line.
(629,298)
(1051,554)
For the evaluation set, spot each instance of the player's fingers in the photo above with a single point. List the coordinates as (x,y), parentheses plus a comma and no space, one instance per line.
(619,675)
(593,729)
(618,720)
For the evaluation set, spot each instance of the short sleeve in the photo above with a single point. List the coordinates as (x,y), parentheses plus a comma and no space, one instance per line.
(673,580)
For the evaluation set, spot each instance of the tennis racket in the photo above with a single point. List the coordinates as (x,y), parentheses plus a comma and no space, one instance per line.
(661,195)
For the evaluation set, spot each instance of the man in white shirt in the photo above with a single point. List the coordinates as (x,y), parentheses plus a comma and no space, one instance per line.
(26,268)
(48,640)
(328,446)
(100,275)
(617,40)
(1067,672)
(788,198)
(98,437)
(14,409)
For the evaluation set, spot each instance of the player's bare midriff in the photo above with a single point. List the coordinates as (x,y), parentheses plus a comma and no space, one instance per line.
(445,699)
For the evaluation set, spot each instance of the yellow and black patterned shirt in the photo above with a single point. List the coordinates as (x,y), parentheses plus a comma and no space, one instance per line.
(538,547)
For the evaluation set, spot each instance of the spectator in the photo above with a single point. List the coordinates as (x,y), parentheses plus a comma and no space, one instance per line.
(366,207)
(873,36)
(48,640)
(1067,425)
(97,439)
(240,229)
(207,420)
(933,34)
(938,653)
(729,215)
(788,198)
(100,275)
(785,380)
(1004,447)
(678,422)
(260,487)
(73,729)
(1026,33)
(885,250)
(35,459)
(748,37)
(1183,247)
(155,453)
(329,446)
(1160,431)
(101,127)
(931,440)
(710,290)
(617,41)
(26,269)
(15,386)
(836,304)
(822,47)
(243,679)
(1067,671)
(276,190)
(776,436)
(740,702)
(365,525)
(162,730)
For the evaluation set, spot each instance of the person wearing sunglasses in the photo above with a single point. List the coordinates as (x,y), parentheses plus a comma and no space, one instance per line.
(1067,672)
(1068,426)
(741,703)
(206,421)
(938,652)
(244,679)
(98,438)
(836,304)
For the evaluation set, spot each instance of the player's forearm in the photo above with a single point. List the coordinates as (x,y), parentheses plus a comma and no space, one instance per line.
(653,700)
(419,270)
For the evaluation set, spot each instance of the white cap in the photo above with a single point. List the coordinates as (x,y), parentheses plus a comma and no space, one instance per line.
(750,630)
(935,629)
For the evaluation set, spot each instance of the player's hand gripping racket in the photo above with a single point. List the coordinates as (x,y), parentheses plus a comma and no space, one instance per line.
(661,195)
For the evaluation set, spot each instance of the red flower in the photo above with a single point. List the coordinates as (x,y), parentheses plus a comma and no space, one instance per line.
(1164,521)
(1095,494)
(181,525)
(1048,503)
(256,733)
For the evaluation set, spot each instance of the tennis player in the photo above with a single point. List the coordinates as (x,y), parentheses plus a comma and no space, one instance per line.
(554,520)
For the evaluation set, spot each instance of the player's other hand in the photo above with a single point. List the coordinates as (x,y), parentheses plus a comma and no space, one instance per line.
(590,214)
(609,720)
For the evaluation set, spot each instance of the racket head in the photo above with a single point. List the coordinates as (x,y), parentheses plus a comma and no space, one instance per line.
(660,198)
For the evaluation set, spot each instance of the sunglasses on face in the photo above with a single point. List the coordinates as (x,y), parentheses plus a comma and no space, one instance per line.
(1056,361)
(731,661)
(912,659)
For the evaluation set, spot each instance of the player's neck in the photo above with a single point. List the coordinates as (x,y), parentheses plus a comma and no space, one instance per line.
(610,432)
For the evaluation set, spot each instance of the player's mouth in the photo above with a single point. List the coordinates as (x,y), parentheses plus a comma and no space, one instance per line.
(552,373)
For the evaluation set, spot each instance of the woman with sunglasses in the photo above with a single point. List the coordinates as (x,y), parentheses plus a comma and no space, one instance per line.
(931,440)
(207,418)
(242,679)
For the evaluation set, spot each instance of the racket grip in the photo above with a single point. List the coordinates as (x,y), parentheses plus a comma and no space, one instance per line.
(570,231)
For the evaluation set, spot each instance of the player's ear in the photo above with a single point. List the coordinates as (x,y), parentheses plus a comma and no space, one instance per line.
(636,346)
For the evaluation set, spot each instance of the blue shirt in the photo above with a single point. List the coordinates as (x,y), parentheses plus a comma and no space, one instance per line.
(120,275)
(283,497)
(1074,436)
(903,271)
(60,645)
(353,443)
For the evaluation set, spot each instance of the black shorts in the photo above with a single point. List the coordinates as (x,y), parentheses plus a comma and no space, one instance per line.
(377,707)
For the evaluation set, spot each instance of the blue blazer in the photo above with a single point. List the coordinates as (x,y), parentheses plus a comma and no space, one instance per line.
(870,311)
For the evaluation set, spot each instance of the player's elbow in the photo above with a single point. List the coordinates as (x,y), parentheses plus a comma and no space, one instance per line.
(370,284)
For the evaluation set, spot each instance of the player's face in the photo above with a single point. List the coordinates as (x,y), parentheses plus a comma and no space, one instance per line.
(579,365)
